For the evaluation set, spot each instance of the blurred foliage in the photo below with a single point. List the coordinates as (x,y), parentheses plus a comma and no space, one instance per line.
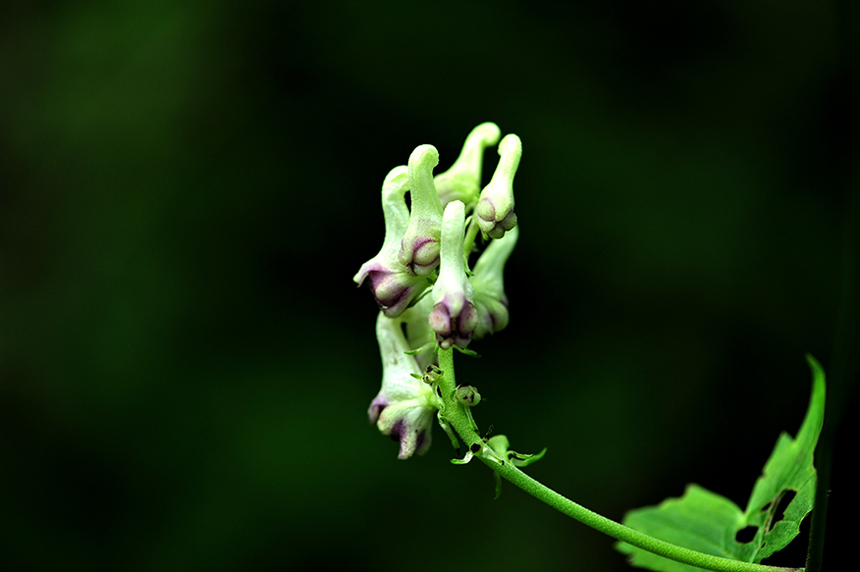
(186,189)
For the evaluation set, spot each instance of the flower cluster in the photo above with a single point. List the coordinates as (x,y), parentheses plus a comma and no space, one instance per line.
(427,296)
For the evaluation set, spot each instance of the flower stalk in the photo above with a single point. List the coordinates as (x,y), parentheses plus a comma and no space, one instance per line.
(460,418)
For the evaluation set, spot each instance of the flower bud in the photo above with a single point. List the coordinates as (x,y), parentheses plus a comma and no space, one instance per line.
(462,181)
(393,286)
(453,317)
(490,300)
(432,374)
(404,408)
(468,395)
(495,209)
(419,248)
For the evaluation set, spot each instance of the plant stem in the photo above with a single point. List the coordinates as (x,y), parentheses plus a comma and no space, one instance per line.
(621,532)
(469,241)
(459,418)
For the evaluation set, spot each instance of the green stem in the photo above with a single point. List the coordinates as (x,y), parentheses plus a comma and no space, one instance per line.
(459,418)
(621,532)
(469,242)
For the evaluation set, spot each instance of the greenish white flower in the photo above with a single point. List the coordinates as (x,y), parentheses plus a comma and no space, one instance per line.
(462,182)
(393,286)
(488,281)
(405,406)
(419,247)
(495,209)
(453,317)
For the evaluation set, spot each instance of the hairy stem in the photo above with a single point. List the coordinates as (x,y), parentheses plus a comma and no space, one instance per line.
(460,418)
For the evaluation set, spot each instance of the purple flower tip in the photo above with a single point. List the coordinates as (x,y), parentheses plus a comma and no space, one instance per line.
(376,407)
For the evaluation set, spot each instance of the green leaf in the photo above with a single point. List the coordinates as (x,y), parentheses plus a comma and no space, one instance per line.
(524,460)
(467,351)
(789,468)
(707,522)
(499,444)
(700,520)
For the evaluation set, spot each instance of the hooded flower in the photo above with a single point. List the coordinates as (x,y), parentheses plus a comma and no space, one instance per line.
(488,282)
(393,286)
(453,317)
(419,249)
(462,182)
(405,406)
(495,210)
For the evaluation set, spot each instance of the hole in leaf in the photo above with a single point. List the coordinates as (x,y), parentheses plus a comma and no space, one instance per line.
(784,501)
(747,534)
(766,507)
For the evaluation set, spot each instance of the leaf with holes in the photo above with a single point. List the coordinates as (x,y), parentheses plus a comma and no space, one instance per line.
(707,522)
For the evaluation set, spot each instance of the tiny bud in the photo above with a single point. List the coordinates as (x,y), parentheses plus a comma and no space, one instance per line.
(432,374)
(468,395)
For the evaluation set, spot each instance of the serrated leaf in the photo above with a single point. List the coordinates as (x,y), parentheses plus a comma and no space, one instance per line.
(707,522)
(700,520)
(789,468)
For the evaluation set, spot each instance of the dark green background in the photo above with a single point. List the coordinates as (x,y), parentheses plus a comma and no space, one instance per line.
(187,189)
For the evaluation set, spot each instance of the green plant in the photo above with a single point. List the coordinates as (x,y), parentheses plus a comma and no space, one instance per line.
(432,304)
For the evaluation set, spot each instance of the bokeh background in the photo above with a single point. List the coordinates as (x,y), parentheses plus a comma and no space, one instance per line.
(187,189)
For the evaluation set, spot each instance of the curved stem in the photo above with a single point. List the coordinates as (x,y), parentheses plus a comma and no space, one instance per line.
(459,417)
(621,532)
